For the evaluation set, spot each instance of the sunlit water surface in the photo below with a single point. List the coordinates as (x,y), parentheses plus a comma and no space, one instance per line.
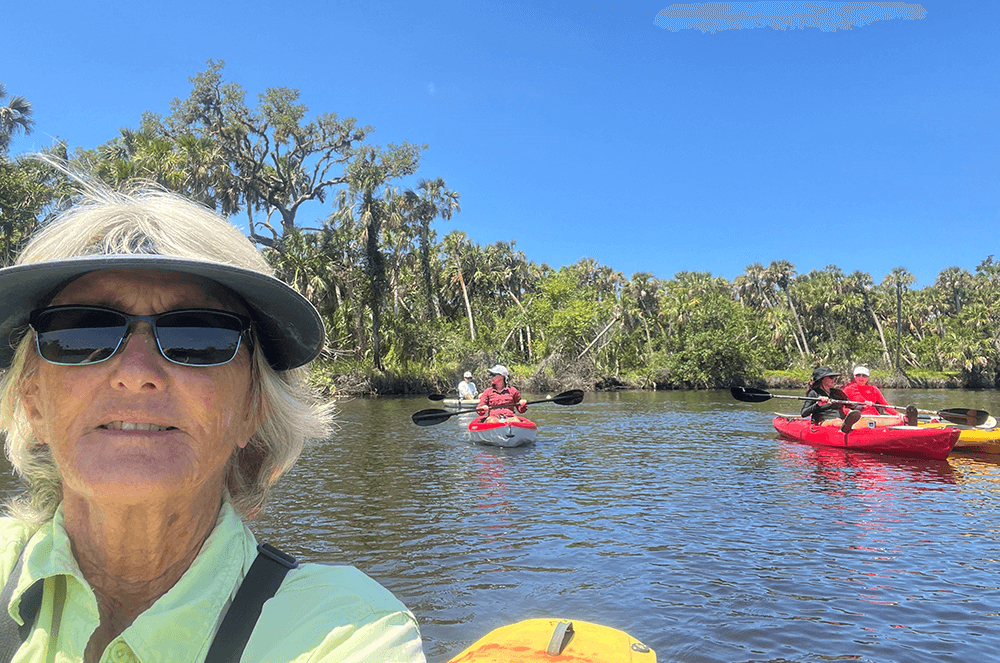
(677,517)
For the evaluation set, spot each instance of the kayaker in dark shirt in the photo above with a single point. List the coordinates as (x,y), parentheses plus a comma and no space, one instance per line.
(499,399)
(822,411)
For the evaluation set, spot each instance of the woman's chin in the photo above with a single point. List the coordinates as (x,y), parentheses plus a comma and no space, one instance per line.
(134,478)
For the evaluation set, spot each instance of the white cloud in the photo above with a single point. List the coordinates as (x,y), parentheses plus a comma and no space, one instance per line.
(827,16)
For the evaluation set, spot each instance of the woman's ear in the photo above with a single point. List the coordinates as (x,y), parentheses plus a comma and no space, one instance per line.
(31,404)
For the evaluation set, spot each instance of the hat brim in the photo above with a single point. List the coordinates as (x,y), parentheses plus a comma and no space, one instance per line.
(288,327)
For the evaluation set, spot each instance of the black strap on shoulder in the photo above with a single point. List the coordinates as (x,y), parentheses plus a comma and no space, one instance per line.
(263,579)
(12,634)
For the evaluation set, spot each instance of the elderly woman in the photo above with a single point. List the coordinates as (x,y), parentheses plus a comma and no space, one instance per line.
(153,394)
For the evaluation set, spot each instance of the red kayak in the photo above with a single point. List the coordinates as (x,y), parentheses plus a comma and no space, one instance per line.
(913,441)
(503,431)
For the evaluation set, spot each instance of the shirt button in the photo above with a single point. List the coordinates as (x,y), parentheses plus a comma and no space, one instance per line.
(122,653)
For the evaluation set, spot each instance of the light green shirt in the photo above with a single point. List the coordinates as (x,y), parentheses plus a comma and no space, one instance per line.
(320,613)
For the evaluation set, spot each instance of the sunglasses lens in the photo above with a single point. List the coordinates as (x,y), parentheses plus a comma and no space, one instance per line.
(86,335)
(78,335)
(199,338)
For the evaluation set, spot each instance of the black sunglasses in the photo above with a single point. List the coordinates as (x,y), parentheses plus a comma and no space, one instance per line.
(80,335)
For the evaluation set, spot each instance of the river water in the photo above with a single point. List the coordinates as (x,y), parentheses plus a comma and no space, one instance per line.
(677,517)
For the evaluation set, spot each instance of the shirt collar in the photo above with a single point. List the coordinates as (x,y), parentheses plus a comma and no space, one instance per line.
(48,553)
(189,613)
(180,625)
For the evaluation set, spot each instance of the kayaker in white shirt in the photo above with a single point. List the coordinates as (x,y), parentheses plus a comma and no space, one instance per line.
(467,388)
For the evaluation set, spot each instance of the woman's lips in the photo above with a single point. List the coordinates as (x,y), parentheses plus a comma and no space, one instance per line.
(132,425)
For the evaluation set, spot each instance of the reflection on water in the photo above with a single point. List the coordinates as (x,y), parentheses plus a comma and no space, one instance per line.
(677,517)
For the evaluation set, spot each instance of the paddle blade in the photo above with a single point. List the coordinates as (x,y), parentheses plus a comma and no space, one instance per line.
(431,417)
(572,397)
(964,417)
(749,394)
(437,397)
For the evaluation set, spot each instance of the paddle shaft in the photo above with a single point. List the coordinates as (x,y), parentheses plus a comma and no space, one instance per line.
(511,406)
(441,397)
(497,407)
(959,416)
(839,402)
(431,417)
(833,400)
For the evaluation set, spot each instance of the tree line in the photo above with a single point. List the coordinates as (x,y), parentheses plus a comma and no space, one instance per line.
(406,308)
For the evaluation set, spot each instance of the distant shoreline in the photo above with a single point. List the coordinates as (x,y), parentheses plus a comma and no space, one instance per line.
(399,385)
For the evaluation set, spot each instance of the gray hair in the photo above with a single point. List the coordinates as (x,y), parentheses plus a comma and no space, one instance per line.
(143,221)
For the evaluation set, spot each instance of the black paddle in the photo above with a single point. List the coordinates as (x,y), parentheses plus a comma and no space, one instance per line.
(432,417)
(441,397)
(961,416)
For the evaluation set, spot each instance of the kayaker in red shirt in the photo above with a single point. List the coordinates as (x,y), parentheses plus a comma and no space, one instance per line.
(860,391)
(500,399)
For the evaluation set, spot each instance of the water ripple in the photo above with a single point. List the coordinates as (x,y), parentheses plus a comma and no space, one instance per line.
(677,517)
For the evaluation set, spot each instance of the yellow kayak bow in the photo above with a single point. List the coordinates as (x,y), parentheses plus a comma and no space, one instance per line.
(551,640)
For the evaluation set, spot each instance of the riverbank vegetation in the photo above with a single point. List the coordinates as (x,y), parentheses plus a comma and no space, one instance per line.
(408,309)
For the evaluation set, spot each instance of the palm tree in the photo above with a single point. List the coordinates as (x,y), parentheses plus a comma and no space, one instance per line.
(376,206)
(600,279)
(14,117)
(862,284)
(342,248)
(641,302)
(507,274)
(756,290)
(453,245)
(902,278)
(435,199)
(954,284)
(754,287)
(782,272)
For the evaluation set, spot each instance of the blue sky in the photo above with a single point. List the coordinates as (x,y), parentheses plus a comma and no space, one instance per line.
(586,129)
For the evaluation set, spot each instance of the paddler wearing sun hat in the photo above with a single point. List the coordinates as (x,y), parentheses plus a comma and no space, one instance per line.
(821,387)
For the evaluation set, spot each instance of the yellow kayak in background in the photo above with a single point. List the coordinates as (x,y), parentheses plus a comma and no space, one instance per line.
(556,640)
(983,439)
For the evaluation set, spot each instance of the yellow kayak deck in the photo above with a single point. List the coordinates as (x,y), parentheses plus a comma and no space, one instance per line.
(973,438)
(556,640)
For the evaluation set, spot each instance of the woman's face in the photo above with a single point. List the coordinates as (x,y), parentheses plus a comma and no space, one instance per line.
(137,427)
(827,383)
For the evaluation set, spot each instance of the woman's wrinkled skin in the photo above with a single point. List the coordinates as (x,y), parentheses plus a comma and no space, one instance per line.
(141,443)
